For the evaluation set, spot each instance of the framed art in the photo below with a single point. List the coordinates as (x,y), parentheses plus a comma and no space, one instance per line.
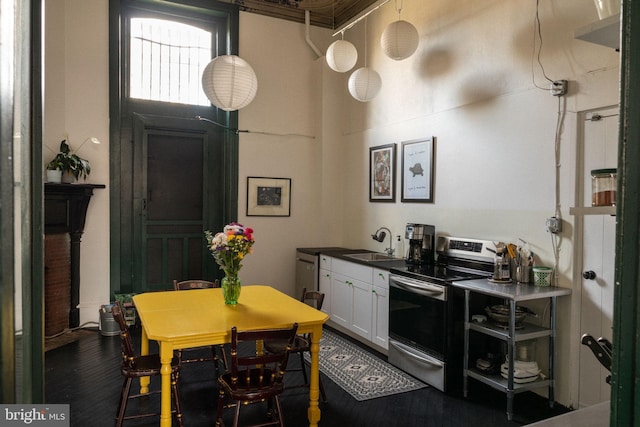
(382,173)
(417,170)
(268,196)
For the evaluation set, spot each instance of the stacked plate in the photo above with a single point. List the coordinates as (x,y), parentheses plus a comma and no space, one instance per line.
(523,372)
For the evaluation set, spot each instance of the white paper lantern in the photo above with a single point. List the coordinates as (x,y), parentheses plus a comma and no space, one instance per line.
(364,84)
(399,40)
(341,56)
(229,82)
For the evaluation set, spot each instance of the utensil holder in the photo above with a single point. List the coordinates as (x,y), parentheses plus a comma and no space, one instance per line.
(524,273)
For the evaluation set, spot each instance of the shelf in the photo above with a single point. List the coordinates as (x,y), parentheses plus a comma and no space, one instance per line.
(593,210)
(499,383)
(529,331)
(605,32)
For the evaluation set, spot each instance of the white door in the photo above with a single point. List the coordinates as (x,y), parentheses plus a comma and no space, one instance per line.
(598,256)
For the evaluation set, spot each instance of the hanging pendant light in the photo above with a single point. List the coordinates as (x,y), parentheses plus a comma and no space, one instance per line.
(229,82)
(341,56)
(400,39)
(364,83)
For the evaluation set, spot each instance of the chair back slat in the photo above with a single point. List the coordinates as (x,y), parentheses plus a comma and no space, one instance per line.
(128,354)
(312,298)
(195,284)
(271,366)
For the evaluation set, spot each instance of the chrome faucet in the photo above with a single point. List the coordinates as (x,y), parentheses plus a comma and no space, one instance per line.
(379,236)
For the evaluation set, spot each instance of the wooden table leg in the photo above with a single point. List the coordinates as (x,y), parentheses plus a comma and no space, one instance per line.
(166,354)
(314,384)
(144,350)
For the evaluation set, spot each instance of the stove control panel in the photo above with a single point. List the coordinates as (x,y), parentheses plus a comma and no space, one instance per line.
(457,247)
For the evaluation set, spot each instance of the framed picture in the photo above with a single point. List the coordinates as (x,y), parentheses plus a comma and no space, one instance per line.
(268,196)
(382,173)
(417,170)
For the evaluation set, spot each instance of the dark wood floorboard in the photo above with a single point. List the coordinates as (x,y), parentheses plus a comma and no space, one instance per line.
(86,375)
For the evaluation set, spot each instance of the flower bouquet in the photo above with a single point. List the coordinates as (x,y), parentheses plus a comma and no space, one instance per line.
(229,248)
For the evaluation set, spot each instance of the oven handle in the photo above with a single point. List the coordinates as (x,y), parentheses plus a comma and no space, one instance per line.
(411,352)
(423,289)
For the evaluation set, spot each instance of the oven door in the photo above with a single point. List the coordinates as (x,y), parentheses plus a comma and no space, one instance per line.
(418,315)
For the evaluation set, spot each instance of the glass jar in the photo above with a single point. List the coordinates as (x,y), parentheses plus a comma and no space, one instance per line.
(604,187)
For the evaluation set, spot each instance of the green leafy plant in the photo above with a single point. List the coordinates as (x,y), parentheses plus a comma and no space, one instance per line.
(68,161)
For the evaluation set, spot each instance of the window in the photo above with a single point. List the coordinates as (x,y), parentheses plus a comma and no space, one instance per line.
(167,61)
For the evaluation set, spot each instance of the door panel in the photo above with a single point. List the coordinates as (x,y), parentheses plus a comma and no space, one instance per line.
(176,196)
(598,255)
(173,216)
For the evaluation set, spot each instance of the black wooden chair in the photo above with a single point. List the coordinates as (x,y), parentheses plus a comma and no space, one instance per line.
(217,351)
(302,343)
(134,367)
(256,378)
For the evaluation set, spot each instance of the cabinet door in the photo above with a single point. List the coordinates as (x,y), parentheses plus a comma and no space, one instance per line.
(324,285)
(341,299)
(361,312)
(380,317)
(380,308)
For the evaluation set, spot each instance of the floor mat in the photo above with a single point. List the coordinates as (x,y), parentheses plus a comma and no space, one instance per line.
(360,373)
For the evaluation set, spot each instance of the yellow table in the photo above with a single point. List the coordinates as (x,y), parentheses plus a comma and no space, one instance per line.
(199,317)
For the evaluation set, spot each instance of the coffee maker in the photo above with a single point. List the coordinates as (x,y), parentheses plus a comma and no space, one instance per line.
(421,243)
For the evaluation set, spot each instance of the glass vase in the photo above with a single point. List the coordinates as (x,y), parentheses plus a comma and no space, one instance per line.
(231,288)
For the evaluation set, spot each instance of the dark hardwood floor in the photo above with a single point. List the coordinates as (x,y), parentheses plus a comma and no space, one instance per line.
(86,375)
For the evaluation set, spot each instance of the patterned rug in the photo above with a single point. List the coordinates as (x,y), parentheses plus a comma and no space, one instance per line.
(360,373)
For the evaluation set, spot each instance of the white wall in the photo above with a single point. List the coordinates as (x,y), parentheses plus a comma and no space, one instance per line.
(76,105)
(470,84)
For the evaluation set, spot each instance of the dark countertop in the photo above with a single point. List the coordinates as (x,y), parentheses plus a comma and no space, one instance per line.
(340,252)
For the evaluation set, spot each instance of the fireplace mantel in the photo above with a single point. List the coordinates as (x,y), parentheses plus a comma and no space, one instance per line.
(65,211)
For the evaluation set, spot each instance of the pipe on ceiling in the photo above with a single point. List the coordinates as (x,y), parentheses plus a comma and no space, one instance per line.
(307,25)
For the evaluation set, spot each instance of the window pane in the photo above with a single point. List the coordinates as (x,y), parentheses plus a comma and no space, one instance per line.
(167,60)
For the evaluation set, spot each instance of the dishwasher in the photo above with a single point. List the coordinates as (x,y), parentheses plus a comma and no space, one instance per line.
(306,273)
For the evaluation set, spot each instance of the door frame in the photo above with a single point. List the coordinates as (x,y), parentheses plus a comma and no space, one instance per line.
(120,108)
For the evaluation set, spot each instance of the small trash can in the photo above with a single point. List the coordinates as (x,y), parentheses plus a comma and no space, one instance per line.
(108,325)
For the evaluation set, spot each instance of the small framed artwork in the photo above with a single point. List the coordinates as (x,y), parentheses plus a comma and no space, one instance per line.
(268,196)
(417,170)
(382,173)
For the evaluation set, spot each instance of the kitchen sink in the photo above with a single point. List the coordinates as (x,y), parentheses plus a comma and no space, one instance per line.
(372,256)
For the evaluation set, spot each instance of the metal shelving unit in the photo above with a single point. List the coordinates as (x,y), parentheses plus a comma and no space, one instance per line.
(512,294)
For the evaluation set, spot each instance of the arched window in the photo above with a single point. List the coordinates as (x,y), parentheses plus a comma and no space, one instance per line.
(166,61)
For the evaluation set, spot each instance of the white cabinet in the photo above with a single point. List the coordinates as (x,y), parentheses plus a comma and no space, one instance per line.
(356,298)
(351,291)
(359,298)
(380,308)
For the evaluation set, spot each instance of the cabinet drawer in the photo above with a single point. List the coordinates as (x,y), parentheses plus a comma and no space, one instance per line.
(381,278)
(325,262)
(351,269)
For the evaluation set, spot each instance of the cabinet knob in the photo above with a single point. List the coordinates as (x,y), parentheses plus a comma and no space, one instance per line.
(589,275)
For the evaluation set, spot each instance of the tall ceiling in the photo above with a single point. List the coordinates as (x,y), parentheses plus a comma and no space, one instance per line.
(322,13)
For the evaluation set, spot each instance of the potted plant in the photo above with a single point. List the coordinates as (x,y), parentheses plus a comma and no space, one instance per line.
(69,163)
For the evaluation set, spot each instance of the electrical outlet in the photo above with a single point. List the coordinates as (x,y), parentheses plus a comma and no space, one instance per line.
(554,225)
(559,88)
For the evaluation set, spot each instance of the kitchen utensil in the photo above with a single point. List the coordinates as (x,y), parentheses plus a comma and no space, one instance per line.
(599,350)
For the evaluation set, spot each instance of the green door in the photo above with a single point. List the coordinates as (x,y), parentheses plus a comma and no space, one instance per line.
(179,193)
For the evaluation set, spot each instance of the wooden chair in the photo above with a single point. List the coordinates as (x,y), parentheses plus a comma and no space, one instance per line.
(217,351)
(256,378)
(135,366)
(302,343)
